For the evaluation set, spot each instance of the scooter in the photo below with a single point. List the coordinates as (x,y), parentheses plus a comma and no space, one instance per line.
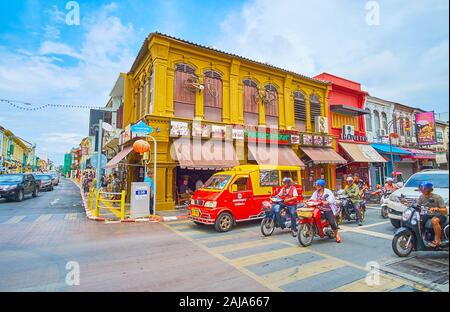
(270,220)
(415,235)
(312,224)
(347,209)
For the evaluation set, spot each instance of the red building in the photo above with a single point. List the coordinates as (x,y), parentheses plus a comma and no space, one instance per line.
(346,122)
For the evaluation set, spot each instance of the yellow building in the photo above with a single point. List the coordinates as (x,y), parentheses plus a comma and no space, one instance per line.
(15,152)
(192,96)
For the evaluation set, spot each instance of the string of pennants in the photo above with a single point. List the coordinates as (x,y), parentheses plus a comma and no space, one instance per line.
(18,105)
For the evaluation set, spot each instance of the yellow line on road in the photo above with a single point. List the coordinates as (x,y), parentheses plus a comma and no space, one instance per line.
(243,245)
(43,218)
(15,219)
(267,256)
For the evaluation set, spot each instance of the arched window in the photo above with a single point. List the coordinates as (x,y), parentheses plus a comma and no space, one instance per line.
(271,104)
(368,120)
(150,93)
(384,122)
(184,92)
(402,126)
(213,96)
(144,97)
(137,102)
(251,102)
(300,111)
(376,119)
(395,123)
(314,101)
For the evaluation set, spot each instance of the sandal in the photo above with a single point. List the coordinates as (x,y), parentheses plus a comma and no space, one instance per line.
(434,244)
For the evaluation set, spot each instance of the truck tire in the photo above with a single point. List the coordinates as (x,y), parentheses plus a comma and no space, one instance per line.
(395,223)
(224,222)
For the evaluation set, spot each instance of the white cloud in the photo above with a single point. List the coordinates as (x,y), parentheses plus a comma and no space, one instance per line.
(402,58)
(46,75)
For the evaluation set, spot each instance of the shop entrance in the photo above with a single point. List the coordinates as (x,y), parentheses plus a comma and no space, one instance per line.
(342,172)
(196,178)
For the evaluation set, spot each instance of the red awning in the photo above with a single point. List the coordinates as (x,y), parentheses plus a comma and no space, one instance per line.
(274,155)
(116,159)
(421,154)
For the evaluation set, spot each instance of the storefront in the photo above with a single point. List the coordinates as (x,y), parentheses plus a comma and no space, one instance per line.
(421,159)
(401,164)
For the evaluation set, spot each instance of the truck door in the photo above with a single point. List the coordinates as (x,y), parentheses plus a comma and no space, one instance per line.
(242,202)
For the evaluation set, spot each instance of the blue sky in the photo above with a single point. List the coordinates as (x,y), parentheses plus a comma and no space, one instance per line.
(43,60)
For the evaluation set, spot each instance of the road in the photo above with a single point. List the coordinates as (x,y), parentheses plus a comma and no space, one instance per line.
(43,239)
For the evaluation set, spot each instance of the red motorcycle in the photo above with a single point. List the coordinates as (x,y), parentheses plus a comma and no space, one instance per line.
(312,224)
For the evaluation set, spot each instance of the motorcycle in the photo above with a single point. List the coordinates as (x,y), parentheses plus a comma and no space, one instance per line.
(347,209)
(270,220)
(415,235)
(312,224)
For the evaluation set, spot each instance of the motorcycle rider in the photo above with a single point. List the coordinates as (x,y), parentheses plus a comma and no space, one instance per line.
(361,184)
(289,195)
(390,186)
(436,206)
(329,208)
(353,192)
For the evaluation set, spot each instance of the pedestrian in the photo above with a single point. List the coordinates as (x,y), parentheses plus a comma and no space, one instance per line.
(198,184)
(148,179)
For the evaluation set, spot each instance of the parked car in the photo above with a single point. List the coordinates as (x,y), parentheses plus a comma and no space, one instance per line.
(401,198)
(45,182)
(237,195)
(16,186)
(55,177)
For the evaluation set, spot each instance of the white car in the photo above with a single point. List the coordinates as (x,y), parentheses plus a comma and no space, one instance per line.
(410,192)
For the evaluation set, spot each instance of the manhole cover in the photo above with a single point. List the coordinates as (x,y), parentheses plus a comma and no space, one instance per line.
(430,270)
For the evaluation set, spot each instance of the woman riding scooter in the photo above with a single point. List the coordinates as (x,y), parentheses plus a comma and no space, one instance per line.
(329,208)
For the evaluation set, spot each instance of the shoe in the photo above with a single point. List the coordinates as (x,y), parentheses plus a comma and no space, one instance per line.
(294,233)
(360,223)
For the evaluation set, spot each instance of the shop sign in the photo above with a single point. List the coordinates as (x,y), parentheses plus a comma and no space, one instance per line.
(281,137)
(295,139)
(426,128)
(179,128)
(318,140)
(237,134)
(141,128)
(218,132)
(307,139)
(327,141)
(200,130)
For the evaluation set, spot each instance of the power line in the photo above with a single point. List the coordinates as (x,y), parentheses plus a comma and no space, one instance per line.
(18,105)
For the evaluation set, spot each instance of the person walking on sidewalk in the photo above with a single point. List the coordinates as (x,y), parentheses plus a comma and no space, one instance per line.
(148,179)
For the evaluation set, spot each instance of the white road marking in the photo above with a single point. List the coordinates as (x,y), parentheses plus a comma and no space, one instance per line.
(15,220)
(54,201)
(43,218)
(71,216)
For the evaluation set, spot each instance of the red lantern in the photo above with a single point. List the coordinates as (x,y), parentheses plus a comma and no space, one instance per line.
(394,135)
(141,146)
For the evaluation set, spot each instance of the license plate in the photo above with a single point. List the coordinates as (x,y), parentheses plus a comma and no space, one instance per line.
(195,213)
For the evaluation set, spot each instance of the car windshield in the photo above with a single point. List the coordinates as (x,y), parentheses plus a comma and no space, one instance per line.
(14,178)
(439,180)
(217,182)
(43,177)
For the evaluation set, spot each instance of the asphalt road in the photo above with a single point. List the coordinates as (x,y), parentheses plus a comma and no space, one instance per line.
(41,239)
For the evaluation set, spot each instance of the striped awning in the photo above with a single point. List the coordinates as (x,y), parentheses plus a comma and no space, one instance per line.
(421,154)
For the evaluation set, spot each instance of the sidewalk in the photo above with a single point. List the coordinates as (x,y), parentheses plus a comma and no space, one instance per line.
(163,216)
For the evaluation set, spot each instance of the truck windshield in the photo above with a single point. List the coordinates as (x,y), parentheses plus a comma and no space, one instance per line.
(217,182)
(439,180)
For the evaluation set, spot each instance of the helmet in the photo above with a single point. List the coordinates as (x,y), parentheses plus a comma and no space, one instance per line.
(321,182)
(426,185)
(350,178)
(389,180)
(287,180)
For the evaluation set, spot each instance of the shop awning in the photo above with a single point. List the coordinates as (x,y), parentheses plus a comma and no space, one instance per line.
(274,155)
(116,159)
(348,110)
(362,153)
(421,154)
(386,149)
(210,155)
(323,155)
(441,158)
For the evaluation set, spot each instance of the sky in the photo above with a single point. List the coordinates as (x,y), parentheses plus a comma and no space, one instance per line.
(397,49)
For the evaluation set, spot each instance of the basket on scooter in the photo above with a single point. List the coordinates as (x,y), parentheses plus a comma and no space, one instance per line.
(305,212)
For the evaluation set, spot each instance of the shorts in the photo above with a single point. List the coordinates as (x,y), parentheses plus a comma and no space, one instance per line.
(329,216)
(441,218)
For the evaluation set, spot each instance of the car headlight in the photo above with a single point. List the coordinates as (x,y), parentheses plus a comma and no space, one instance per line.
(211,204)
(407,214)
(394,198)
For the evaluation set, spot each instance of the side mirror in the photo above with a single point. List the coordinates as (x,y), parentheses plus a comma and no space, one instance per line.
(326,196)
(234,188)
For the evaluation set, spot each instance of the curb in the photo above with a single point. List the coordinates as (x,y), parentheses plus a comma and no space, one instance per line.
(152,219)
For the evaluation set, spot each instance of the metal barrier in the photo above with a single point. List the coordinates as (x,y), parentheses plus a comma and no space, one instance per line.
(107,200)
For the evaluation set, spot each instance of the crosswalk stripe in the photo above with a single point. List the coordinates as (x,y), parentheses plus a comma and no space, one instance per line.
(71,216)
(266,256)
(240,246)
(15,219)
(301,272)
(367,232)
(43,218)
(384,283)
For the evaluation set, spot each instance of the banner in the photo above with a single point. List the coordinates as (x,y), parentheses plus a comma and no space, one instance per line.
(425,128)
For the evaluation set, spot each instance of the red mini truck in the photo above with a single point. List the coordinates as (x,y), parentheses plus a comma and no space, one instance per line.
(233,196)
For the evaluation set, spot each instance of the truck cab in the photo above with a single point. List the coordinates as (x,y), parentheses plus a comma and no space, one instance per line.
(233,196)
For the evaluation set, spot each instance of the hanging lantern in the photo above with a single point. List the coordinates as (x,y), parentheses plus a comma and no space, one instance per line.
(393,135)
(141,146)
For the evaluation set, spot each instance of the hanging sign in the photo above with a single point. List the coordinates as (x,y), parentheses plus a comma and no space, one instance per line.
(179,128)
